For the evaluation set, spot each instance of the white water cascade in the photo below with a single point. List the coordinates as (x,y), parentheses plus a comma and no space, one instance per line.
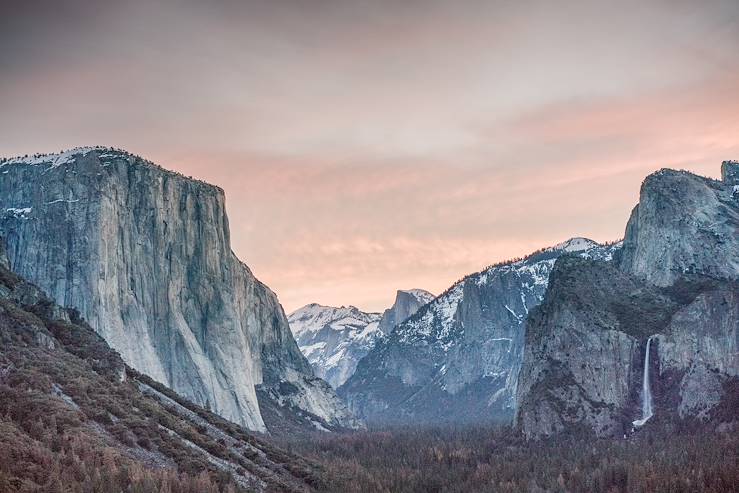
(646,399)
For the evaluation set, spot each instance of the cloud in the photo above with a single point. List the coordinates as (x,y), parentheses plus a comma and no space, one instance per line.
(367,146)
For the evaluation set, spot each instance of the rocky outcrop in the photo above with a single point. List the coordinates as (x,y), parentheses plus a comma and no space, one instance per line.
(335,339)
(144,254)
(683,224)
(457,359)
(730,173)
(674,281)
(702,344)
(407,303)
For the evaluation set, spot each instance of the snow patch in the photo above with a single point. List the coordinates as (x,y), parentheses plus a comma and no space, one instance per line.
(18,212)
(53,160)
(68,201)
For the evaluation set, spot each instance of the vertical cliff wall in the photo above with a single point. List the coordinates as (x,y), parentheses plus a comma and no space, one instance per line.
(683,224)
(144,254)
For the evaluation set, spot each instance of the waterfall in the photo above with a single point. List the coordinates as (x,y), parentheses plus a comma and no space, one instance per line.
(646,398)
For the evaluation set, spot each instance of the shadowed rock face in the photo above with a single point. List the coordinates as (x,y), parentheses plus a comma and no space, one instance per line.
(677,281)
(457,358)
(144,254)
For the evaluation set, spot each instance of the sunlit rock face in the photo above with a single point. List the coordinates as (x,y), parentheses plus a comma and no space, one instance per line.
(457,359)
(334,339)
(144,254)
(675,281)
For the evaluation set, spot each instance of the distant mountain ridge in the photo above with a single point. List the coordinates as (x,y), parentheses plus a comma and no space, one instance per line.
(457,358)
(334,339)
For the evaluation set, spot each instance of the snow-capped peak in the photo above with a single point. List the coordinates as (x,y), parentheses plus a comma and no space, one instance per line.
(421,295)
(576,244)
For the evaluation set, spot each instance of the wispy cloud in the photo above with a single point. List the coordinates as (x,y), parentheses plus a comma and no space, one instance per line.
(370,146)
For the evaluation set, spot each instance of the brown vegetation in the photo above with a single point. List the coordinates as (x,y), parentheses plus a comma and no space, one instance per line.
(73,418)
(484,459)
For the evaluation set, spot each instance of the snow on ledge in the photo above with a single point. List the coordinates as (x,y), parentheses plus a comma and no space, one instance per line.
(18,213)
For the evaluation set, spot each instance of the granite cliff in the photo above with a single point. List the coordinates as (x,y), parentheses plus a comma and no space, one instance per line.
(74,413)
(674,282)
(144,254)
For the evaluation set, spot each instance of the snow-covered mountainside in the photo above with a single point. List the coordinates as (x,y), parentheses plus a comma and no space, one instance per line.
(144,254)
(335,339)
(457,358)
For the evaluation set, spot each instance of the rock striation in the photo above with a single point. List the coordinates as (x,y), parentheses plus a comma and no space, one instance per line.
(457,359)
(675,281)
(144,254)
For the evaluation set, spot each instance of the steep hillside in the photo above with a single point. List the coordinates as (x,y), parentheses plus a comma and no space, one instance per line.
(74,417)
(457,359)
(145,255)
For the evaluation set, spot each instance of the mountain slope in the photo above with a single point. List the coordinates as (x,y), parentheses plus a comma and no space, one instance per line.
(74,417)
(457,358)
(145,255)
(335,339)
(673,291)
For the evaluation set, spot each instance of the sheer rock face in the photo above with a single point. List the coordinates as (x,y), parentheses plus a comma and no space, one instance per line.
(407,303)
(582,348)
(53,364)
(144,254)
(334,339)
(702,344)
(457,358)
(683,224)
(677,280)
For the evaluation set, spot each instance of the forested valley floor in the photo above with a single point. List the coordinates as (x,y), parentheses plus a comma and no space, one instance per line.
(667,458)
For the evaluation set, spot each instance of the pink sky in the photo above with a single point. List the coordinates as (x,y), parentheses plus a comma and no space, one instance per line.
(370,146)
